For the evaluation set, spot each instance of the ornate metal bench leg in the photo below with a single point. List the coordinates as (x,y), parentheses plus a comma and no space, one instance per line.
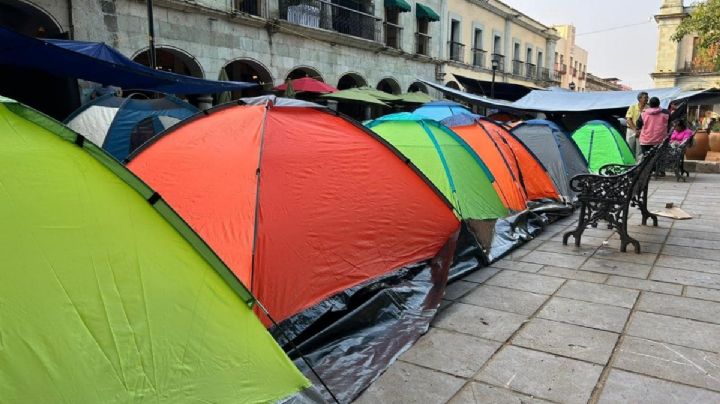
(625,238)
(642,205)
(577,233)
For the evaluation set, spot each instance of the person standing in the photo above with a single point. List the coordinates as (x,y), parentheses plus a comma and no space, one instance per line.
(632,116)
(654,125)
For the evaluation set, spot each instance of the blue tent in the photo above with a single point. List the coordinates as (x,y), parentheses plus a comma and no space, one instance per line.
(100,63)
(439,110)
(121,125)
(556,151)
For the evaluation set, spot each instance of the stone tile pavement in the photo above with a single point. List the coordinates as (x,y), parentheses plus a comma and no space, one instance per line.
(554,323)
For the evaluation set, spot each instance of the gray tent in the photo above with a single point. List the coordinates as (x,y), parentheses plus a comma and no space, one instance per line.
(555,150)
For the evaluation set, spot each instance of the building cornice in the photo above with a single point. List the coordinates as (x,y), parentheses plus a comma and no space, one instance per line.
(518,18)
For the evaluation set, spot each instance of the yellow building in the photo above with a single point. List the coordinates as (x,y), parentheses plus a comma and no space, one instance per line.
(678,63)
(570,60)
(481,34)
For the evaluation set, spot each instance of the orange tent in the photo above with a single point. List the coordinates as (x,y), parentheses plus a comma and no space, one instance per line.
(519,177)
(301,204)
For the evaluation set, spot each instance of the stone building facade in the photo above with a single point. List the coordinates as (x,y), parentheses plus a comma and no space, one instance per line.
(595,83)
(678,63)
(480,31)
(570,60)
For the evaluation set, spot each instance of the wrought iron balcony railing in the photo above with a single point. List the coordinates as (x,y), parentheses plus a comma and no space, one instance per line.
(422,43)
(247,6)
(330,16)
(517,67)
(530,70)
(544,74)
(393,35)
(478,57)
(457,51)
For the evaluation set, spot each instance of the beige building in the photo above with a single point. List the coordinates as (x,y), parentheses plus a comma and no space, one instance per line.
(478,32)
(678,63)
(570,60)
(595,83)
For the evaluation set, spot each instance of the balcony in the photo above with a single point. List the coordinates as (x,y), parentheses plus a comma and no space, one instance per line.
(581,76)
(330,16)
(246,6)
(457,51)
(517,67)
(574,72)
(561,68)
(500,61)
(698,66)
(478,57)
(393,35)
(543,74)
(530,70)
(422,44)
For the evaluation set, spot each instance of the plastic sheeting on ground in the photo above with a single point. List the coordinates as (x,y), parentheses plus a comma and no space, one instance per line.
(107,295)
(100,63)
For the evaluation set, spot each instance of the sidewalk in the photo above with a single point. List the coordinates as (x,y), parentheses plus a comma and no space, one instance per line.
(554,323)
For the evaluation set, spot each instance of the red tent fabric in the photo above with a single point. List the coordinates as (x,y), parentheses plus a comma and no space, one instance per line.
(300,203)
(309,85)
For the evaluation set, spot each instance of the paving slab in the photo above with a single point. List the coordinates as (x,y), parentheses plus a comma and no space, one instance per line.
(685,277)
(677,234)
(610,253)
(458,289)
(642,284)
(678,306)
(626,387)
(567,340)
(694,242)
(482,275)
(545,285)
(541,375)
(555,259)
(593,315)
(450,352)
(644,238)
(518,253)
(617,268)
(479,321)
(407,383)
(670,362)
(678,331)
(584,250)
(703,293)
(573,274)
(481,393)
(516,265)
(689,263)
(645,247)
(586,240)
(511,300)
(597,293)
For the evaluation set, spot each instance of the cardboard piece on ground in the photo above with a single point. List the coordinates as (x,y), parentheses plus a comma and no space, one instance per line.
(673,213)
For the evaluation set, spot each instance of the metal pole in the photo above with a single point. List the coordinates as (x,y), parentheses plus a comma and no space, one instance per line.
(151,35)
(492,85)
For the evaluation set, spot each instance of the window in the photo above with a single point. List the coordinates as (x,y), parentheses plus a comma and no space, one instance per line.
(477,51)
(456,48)
(540,60)
(477,39)
(393,30)
(423,39)
(528,55)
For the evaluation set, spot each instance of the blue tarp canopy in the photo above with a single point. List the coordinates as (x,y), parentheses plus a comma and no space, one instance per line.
(569,101)
(100,63)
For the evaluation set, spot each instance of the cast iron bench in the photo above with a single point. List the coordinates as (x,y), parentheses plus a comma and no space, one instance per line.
(674,158)
(608,196)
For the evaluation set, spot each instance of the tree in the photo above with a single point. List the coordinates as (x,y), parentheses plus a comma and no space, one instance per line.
(703,21)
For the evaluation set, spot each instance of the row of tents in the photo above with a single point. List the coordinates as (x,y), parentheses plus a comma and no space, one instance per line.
(250,235)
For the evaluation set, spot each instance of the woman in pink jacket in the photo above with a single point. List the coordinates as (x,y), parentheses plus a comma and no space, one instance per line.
(654,125)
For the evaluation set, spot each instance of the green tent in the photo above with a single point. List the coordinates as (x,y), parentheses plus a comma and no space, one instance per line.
(106,295)
(602,144)
(446,160)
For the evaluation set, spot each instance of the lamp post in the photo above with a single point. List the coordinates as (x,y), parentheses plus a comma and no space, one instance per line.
(495,65)
(152,61)
(572,86)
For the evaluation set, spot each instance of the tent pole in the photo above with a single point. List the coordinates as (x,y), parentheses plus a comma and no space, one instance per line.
(151,35)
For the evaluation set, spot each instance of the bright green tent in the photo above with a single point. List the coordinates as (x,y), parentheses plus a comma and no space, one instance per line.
(602,144)
(106,295)
(446,160)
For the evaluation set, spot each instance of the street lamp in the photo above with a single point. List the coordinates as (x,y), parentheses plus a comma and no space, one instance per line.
(495,64)
(572,86)
(152,58)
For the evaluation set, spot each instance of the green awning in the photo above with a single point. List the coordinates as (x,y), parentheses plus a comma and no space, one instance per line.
(354,95)
(400,5)
(416,98)
(426,13)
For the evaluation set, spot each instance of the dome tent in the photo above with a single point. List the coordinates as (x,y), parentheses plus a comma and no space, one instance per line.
(602,144)
(555,150)
(439,110)
(102,290)
(120,125)
(303,205)
(519,177)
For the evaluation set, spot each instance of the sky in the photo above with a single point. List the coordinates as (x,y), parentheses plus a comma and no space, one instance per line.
(627,53)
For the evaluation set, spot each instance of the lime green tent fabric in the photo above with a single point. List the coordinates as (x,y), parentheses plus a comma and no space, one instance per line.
(602,144)
(106,295)
(446,160)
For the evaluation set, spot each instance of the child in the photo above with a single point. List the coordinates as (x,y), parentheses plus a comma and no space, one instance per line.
(681,134)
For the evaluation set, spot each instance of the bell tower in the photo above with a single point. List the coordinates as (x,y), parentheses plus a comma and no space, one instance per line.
(668,51)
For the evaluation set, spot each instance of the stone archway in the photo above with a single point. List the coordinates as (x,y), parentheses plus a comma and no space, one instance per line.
(250,71)
(453,84)
(55,96)
(351,80)
(304,71)
(418,87)
(173,60)
(389,85)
